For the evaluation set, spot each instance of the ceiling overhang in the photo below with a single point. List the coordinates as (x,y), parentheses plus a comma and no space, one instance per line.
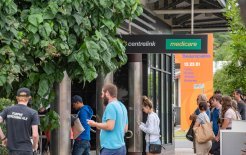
(208,15)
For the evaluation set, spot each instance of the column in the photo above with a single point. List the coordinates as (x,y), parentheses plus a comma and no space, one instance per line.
(135,146)
(60,138)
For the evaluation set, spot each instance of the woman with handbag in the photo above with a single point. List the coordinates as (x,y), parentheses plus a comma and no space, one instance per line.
(193,117)
(204,147)
(151,127)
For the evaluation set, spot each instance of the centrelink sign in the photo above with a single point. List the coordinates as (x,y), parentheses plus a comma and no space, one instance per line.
(165,43)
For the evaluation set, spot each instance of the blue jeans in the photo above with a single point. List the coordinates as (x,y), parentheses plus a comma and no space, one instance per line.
(20,153)
(120,151)
(147,144)
(81,147)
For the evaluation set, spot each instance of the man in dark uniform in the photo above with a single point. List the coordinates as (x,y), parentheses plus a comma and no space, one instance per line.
(22,125)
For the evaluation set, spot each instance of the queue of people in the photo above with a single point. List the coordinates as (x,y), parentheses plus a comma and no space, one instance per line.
(220,111)
(22,123)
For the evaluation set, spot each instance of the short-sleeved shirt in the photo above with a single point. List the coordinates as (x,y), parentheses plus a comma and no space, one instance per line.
(114,139)
(202,118)
(231,115)
(215,115)
(19,120)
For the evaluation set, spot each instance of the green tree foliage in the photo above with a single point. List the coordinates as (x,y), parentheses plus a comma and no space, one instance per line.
(222,44)
(234,74)
(4,103)
(41,39)
(223,82)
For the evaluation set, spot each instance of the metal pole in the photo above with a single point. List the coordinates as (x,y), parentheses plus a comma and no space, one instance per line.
(192,16)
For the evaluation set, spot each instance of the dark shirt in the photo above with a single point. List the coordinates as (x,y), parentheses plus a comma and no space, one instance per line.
(19,119)
(241,108)
(215,118)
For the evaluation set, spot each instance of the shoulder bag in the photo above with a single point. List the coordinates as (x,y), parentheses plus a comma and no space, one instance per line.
(204,132)
(155,148)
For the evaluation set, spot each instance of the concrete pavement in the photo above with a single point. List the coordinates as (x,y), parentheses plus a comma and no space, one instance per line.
(182,145)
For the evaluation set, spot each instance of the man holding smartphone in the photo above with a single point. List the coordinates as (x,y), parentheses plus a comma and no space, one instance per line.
(114,123)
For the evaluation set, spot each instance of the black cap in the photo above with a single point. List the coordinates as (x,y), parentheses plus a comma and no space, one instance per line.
(76,98)
(23,92)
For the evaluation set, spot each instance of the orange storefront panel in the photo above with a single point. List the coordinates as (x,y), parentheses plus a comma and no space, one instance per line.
(196,77)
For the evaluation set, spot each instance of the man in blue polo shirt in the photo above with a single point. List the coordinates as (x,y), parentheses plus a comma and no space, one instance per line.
(114,123)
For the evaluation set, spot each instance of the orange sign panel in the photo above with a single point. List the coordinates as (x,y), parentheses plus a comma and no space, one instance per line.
(196,77)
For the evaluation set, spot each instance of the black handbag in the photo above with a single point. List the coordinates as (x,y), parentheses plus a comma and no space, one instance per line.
(190,134)
(155,148)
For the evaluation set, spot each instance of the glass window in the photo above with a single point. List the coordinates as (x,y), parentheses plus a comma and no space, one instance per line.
(160,91)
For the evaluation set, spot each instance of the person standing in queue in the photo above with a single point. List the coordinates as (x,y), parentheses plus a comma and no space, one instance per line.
(22,123)
(193,117)
(82,145)
(114,123)
(241,106)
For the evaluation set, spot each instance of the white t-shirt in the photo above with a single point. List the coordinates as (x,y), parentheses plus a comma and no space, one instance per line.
(231,115)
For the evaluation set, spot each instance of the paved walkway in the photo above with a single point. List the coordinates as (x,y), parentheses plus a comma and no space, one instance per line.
(182,145)
(184,151)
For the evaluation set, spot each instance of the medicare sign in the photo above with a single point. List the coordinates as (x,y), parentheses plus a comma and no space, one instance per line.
(165,43)
(183,44)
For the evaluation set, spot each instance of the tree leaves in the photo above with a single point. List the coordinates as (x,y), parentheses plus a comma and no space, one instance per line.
(10,7)
(45,30)
(3,80)
(43,87)
(78,18)
(232,76)
(39,40)
(35,19)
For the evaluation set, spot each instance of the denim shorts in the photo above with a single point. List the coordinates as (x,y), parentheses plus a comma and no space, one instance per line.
(120,151)
(147,144)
